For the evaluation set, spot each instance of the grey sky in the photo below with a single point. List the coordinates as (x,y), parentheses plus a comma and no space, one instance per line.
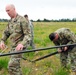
(40,9)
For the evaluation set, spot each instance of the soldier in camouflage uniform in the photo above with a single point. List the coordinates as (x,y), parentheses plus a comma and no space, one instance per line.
(19,33)
(32,32)
(64,36)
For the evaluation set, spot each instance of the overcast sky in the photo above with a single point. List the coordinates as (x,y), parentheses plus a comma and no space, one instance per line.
(40,9)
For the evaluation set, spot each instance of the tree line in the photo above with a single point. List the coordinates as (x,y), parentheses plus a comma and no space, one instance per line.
(46,20)
(60,20)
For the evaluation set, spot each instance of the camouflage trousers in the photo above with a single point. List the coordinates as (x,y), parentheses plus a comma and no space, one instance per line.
(72,55)
(14,65)
(64,58)
(32,42)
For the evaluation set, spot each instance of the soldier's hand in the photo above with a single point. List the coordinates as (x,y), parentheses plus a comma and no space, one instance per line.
(2,45)
(65,48)
(19,47)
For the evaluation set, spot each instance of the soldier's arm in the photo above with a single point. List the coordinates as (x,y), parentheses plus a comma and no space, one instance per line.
(26,32)
(57,43)
(5,34)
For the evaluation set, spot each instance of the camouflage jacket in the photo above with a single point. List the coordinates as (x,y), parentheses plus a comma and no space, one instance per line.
(18,31)
(65,36)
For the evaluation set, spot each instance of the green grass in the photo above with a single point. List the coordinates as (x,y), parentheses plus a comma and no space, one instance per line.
(3,63)
(61,71)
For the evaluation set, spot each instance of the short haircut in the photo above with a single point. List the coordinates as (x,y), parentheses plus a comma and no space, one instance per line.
(52,36)
(26,15)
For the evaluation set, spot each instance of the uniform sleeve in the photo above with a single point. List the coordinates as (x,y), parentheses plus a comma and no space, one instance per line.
(57,44)
(5,34)
(26,32)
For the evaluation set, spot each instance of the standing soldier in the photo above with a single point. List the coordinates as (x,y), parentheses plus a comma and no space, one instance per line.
(64,36)
(32,31)
(19,33)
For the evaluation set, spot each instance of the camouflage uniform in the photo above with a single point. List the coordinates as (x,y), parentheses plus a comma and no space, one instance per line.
(67,37)
(16,35)
(32,34)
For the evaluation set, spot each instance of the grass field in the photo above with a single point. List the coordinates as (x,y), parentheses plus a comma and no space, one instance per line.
(48,66)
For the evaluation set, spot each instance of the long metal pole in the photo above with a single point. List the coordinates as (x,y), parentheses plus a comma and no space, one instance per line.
(33,50)
(45,56)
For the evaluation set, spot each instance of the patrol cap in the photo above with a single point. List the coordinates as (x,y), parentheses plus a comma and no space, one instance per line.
(52,36)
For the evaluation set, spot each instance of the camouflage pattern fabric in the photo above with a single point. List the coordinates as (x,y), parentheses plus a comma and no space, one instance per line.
(13,31)
(67,37)
(63,59)
(72,54)
(32,35)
